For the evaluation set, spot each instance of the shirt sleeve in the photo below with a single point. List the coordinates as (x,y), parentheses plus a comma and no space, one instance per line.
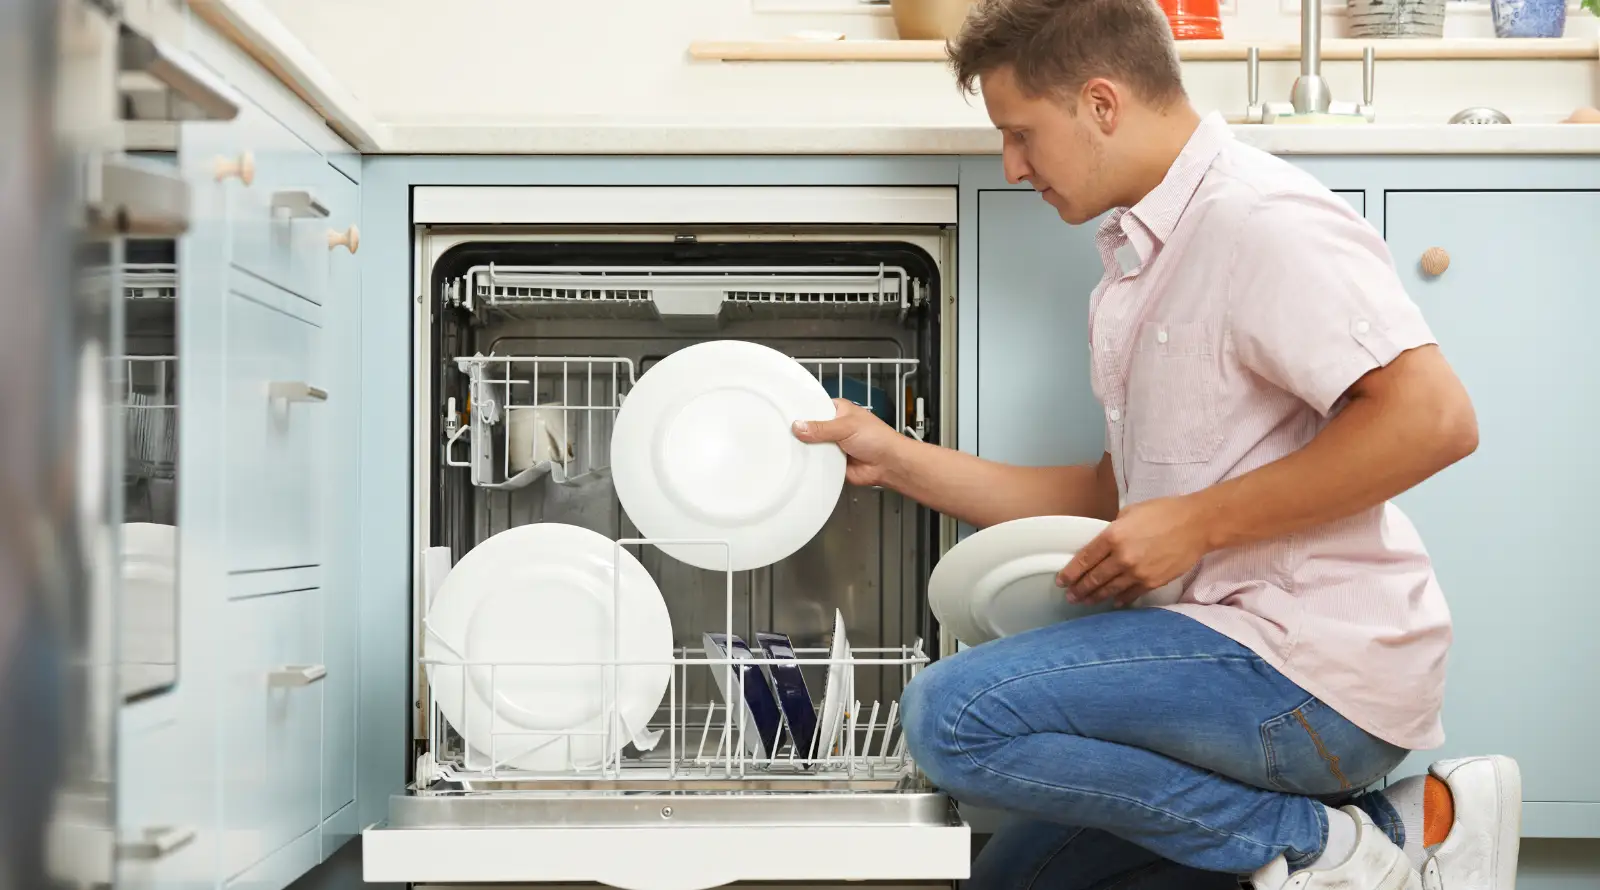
(1314,299)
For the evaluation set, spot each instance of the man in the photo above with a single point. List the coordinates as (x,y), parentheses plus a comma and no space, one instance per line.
(1267,387)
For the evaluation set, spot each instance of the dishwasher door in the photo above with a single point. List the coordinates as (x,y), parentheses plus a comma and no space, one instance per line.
(666,841)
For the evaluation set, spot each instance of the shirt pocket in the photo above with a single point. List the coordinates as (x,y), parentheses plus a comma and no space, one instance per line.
(1174,388)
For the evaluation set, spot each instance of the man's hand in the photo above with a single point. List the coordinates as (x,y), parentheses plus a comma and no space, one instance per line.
(1148,545)
(872,448)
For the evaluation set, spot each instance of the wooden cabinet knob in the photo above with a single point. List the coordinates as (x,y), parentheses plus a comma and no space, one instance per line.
(244,167)
(1434,261)
(350,238)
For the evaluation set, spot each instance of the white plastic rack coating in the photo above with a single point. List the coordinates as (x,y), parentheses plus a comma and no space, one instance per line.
(534,416)
(686,292)
(150,281)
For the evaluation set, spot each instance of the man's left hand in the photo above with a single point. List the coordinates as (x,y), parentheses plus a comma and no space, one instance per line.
(1148,545)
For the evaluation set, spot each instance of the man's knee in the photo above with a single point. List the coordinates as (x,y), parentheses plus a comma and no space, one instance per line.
(929,709)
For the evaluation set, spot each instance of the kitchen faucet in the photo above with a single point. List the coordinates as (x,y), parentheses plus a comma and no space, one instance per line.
(1310,94)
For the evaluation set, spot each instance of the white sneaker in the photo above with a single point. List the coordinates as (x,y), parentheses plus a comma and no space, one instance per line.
(1376,864)
(1480,852)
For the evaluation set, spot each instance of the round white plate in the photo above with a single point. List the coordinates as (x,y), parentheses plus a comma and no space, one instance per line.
(544,593)
(703,448)
(1001,580)
(149,541)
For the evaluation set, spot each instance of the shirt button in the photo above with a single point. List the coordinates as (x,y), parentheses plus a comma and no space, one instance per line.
(1114,414)
(1362,327)
(1161,336)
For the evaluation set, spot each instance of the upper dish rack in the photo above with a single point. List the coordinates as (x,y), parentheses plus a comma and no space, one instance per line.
(688,296)
(528,417)
(150,281)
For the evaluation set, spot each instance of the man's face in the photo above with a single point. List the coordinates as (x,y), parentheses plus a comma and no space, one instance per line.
(1058,152)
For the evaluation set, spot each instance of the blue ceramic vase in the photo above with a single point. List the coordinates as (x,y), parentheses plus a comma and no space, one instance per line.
(1529,18)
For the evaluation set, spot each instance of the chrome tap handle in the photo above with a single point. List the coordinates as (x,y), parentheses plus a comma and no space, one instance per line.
(1253,113)
(1369,74)
(1253,60)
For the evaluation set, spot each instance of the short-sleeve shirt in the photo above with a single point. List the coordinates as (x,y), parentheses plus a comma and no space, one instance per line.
(1241,300)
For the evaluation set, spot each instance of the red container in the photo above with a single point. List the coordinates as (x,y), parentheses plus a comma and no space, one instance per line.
(1193,19)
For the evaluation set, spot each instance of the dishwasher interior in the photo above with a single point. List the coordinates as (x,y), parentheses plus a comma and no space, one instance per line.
(527,347)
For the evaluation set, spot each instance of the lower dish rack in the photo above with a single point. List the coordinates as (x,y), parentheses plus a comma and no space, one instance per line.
(702,805)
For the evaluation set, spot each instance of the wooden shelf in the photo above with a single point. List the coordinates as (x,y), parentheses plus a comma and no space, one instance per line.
(1188,50)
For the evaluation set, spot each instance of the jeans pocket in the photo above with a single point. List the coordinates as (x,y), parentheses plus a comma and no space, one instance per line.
(1314,751)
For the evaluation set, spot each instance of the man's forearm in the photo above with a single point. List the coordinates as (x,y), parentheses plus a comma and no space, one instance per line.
(1377,447)
(983,493)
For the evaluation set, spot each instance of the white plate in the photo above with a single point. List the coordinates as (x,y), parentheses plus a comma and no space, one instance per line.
(150,541)
(836,699)
(544,592)
(1001,580)
(703,449)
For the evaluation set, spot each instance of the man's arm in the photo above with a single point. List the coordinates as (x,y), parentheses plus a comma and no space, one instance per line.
(976,491)
(983,493)
(1401,424)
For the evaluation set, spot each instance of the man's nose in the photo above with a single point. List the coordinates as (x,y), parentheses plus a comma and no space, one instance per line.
(1015,165)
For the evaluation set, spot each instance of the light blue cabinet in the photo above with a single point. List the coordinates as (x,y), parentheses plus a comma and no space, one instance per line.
(339,463)
(1035,406)
(1511,528)
(271,323)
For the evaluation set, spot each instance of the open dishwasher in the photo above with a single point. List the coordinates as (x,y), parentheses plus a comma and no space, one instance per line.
(540,313)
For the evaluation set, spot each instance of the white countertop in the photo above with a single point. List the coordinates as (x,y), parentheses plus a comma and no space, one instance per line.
(251,24)
(723,138)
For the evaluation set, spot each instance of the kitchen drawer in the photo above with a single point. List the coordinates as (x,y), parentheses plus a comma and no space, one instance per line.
(164,817)
(658,854)
(275,412)
(279,219)
(271,711)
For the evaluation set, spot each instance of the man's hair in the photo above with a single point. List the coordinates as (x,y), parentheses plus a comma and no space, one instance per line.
(1053,47)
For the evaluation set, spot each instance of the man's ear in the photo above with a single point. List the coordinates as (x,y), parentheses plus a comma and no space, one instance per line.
(1100,104)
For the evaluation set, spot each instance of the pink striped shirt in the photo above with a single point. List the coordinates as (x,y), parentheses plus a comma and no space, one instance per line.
(1241,299)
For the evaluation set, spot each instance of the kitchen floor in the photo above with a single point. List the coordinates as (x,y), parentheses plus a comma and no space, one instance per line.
(1547,864)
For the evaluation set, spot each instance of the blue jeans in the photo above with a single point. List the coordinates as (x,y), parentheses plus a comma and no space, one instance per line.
(1137,749)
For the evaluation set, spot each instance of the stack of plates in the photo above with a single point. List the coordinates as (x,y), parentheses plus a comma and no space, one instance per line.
(1397,18)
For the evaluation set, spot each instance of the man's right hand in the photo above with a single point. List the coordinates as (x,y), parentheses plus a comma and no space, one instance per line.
(874,450)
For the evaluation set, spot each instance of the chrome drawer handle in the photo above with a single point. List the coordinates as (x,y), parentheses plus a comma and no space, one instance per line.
(157,843)
(350,239)
(187,91)
(299,204)
(295,391)
(140,198)
(294,675)
(244,168)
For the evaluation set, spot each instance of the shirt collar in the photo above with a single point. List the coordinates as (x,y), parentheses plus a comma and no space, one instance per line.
(1154,218)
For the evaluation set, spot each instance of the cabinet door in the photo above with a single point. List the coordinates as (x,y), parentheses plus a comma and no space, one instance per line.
(275,408)
(272,677)
(1035,404)
(341,356)
(1511,527)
